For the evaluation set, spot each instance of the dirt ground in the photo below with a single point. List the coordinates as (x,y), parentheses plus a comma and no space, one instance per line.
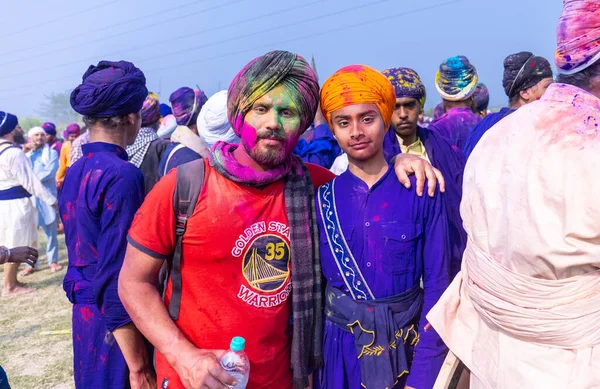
(32,360)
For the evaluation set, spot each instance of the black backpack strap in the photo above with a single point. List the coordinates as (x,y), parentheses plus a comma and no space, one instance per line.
(190,179)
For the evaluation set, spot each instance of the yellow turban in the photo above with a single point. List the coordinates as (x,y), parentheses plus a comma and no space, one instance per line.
(358,84)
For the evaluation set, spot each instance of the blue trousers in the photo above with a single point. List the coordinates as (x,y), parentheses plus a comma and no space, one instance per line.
(51,232)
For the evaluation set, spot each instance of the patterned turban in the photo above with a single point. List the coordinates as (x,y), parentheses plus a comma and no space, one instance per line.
(8,122)
(150,110)
(50,128)
(482,97)
(522,71)
(358,84)
(263,74)
(186,104)
(72,129)
(407,83)
(110,89)
(456,79)
(578,36)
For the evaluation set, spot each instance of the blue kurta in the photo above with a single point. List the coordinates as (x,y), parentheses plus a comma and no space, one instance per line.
(480,129)
(397,239)
(451,162)
(322,149)
(101,193)
(45,168)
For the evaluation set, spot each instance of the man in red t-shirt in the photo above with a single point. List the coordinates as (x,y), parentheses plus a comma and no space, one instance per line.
(249,248)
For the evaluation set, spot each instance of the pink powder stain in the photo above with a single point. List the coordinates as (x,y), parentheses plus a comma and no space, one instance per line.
(78,338)
(384,205)
(86,314)
(109,206)
(376,218)
(103,358)
(89,155)
(248,135)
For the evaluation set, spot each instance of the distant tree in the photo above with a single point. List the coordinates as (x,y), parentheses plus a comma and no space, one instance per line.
(57,109)
(28,123)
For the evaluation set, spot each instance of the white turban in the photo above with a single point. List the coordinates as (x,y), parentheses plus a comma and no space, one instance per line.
(213,124)
(36,130)
(167,126)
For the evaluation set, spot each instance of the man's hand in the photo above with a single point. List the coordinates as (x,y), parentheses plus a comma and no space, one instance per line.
(27,255)
(145,379)
(200,369)
(27,147)
(55,207)
(407,164)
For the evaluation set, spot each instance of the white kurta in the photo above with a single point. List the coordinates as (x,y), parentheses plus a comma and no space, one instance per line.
(531,209)
(18,218)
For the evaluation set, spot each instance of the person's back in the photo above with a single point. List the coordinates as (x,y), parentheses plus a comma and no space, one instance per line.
(534,233)
(455,124)
(100,195)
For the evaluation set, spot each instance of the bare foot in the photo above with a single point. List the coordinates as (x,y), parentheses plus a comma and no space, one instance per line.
(27,272)
(16,291)
(55,267)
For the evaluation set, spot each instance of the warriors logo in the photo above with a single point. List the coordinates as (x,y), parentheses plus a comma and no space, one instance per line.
(266,263)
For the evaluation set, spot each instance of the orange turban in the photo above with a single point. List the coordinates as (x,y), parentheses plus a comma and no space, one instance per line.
(358,84)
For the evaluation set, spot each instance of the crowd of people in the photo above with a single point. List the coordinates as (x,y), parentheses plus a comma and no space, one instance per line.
(294,215)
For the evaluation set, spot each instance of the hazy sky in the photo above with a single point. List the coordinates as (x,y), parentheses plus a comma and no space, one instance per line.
(48,45)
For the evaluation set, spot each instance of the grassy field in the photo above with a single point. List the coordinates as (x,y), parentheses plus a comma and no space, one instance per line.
(32,360)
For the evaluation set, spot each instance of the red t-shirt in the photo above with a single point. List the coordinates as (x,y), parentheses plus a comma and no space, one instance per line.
(236,270)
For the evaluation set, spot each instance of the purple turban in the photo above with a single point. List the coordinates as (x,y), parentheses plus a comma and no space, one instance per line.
(8,122)
(186,104)
(407,83)
(150,110)
(110,89)
(72,129)
(50,128)
(456,79)
(578,36)
(524,70)
(262,74)
(482,97)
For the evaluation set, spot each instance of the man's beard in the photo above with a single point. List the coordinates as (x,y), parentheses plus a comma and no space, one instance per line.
(19,139)
(270,157)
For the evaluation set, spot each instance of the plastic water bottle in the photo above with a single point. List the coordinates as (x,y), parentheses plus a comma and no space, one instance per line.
(235,362)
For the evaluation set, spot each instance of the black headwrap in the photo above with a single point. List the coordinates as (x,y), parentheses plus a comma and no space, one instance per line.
(524,70)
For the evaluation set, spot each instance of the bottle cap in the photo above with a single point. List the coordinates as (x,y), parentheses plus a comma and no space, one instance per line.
(238,343)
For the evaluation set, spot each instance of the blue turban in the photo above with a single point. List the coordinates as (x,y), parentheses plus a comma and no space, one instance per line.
(8,122)
(456,79)
(186,104)
(49,128)
(165,110)
(110,89)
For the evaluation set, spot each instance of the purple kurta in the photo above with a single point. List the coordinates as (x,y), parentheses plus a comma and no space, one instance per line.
(396,238)
(101,193)
(451,162)
(455,124)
